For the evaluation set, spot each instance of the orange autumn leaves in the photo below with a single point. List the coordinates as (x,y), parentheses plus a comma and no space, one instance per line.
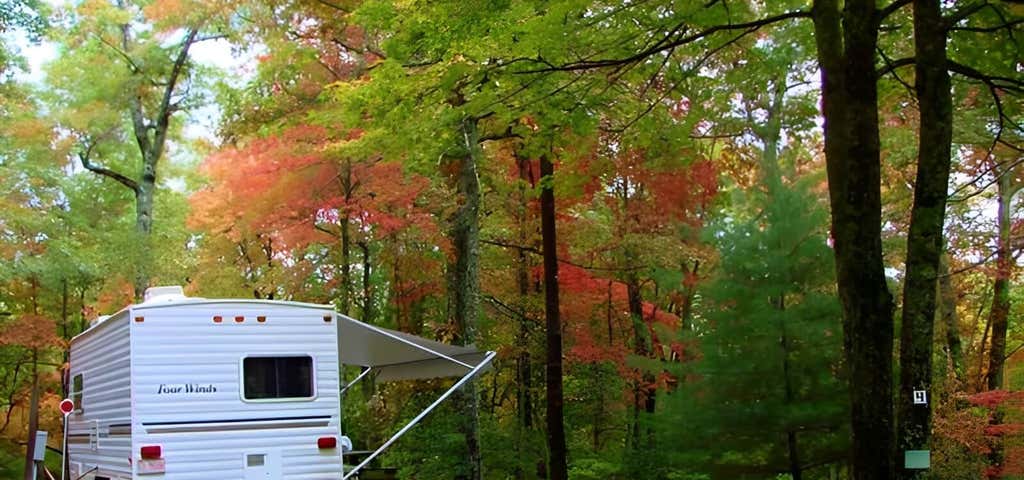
(31,331)
(287,183)
(293,189)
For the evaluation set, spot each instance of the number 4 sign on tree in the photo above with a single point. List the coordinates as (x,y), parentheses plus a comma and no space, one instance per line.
(920,397)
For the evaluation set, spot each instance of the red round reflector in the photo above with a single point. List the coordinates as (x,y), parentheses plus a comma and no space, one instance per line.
(151,451)
(66,406)
(326,442)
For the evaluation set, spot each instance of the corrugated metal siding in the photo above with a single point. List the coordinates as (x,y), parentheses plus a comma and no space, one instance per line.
(102,357)
(207,435)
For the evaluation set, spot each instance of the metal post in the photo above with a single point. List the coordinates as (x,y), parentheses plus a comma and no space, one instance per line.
(356,380)
(487,359)
(64,452)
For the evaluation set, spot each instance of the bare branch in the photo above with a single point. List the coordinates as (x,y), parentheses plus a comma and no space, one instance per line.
(668,43)
(1012,352)
(993,81)
(892,8)
(958,16)
(85,155)
(1006,170)
(1007,26)
(121,53)
(567,262)
(333,6)
(1016,148)
(972,266)
(325,230)
(891,65)
(164,114)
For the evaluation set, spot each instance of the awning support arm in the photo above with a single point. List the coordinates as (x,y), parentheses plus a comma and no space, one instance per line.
(416,345)
(356,380)
(465,378)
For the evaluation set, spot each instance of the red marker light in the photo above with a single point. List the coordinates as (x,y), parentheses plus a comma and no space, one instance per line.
(326,442)
(151,451)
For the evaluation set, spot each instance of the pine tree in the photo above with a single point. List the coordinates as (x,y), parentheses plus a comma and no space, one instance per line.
(765,397)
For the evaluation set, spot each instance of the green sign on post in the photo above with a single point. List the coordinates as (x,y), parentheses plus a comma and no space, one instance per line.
(917,459)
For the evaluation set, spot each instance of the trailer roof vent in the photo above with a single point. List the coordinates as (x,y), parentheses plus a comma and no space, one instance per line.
(164,294)
(98,320)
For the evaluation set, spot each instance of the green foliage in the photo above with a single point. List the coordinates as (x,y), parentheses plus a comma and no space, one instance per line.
(770,344)
(27,17)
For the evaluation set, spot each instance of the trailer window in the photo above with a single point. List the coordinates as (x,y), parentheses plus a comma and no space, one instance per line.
(277,377)
(76,391)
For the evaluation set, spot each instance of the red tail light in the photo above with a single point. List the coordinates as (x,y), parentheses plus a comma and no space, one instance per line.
(327,442)
(151,451)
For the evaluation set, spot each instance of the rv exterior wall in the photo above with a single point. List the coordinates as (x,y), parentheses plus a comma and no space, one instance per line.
(165,374)
(101,356)
(188,391)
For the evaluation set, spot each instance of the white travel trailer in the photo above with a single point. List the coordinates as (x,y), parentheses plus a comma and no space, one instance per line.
(180,388)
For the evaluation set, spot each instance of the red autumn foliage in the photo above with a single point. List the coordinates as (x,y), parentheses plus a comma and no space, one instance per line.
(287,183)
(995,398)
(274,197)
(597,319)
(1000,429)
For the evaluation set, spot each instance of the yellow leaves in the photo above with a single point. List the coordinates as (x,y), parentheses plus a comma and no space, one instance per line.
(92,115)
(26,131)
(103,12)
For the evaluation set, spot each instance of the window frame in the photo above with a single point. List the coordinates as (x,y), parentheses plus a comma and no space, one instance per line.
(77,396)
(312,378)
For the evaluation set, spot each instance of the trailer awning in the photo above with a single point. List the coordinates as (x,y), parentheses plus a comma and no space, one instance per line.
(395,355)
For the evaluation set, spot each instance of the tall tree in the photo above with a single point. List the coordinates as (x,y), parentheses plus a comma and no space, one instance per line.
(464,278)
(924,242)
(1008,185)
(847,40)
(555,423)
(144,85)
(765,397)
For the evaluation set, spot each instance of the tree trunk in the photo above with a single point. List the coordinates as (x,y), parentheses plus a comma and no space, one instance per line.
(369,314)
(151,137)
(792,446)
(346,267)
(33,417)
(524,360)
(346,241)
(643,393)
(951,321)
(927,217)
(144,223)
(464,286)
(1000,312)
(846,44)
(690,292)
(770,135)
(980,381)
(555,415)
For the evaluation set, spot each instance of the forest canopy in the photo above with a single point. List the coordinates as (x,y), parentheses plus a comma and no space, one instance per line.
(716,239)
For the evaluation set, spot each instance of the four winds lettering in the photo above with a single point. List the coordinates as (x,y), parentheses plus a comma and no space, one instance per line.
(185,388)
